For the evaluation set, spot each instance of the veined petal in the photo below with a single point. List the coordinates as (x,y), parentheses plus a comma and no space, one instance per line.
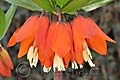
(24,46)
(50,37)
(98,44)
(100,32)
(41,31)
(27,29)
(61,44)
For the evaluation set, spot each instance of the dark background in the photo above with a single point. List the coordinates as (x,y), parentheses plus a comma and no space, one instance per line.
(107,67)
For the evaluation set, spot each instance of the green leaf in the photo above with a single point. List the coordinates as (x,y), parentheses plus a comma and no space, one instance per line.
(74,5)
(95,5)
(9,15)
(28,4)
(61,3)
(2,23)
(5,20)
(45,4)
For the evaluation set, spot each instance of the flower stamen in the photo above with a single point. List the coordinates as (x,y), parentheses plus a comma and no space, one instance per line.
(74,65)
(87,55)
(32,56)
(58,64)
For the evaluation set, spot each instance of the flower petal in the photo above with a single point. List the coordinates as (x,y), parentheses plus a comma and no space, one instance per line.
(50,37)
(24,46)
(61,44)
(79,57)
(49,60)
(12,40)
(4,70)
(27,29)
(41,32)
(69,28)
(98,44)
(6,58)
(83,27)
(66,60)
(100,32)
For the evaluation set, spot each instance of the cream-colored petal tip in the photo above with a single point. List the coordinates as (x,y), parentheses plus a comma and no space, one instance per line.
(81,66)
(46,69)
(74,65)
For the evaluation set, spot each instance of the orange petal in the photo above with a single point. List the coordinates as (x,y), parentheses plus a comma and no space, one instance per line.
(41,32)
(98,44)
(4,71)
(79,58)
(69,28)
(100,32)
(77,38)
(78,41)
(27,29)
(61,44)
(50,37)
(12,40)
(41,56)
(6,58)
(67,60)
(24,46)
(83,27)
(49,60)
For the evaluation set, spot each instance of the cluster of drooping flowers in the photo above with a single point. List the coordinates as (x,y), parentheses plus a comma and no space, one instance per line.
(57,43)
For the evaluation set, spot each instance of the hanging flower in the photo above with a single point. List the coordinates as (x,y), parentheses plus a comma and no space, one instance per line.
(27,35)
(6,64)
(57,48)
(58,43)
(87,34)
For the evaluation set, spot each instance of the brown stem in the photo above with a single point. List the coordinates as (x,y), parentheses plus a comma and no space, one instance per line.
(42,13)
(59,14)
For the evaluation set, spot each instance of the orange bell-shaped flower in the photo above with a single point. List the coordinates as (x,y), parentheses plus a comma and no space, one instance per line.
(31,36)
(87,34)
(6,64)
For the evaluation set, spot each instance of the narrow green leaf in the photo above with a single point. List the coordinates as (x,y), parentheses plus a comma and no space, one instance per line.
(28,4)
(61,3)
(5,20)
(95,5)
(74,5)
(9,15)
(2,23)
(45,4)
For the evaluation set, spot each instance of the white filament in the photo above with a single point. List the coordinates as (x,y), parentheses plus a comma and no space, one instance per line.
(32,56)
(58,64)
(87,55)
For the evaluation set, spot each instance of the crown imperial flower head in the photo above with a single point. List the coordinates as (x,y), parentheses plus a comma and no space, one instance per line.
(57,43)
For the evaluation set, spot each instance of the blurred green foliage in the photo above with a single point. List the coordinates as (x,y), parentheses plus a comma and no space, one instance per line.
(107,67)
